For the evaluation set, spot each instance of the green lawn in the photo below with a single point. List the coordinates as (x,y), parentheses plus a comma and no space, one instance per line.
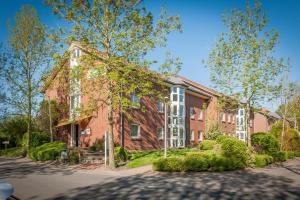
(142,158)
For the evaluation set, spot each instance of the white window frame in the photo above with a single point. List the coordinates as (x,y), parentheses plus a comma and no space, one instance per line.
(160,107)
(201,136)
(192,135)
(138,133)
(200,115)
(192,113)
(135,100)
(223,117)
(160,133)
(229,118)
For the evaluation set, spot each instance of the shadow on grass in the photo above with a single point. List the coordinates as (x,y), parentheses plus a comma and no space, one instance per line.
(20,167)
(229,185)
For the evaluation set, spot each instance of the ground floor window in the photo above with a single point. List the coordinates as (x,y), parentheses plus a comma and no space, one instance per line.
(160,133)
(200,135)
(135,131)
(192,135)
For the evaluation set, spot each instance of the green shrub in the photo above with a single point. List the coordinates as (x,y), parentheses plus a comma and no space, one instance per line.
(13,152)
(97,146)
(235,150)
(267,142)
(75,156)
(48,151)
(196,162)
(172,164)
(262,160)
(279,156)
(37,139)
(207,144)
(297,153)
(121,153)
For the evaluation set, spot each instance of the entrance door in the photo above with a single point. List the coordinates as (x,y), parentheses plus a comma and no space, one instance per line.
(76,135)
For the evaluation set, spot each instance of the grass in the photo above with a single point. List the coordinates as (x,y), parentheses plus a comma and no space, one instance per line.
(142,158)
(12,152)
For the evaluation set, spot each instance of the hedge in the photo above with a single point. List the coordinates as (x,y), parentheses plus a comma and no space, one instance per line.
(262,160)
(207,144)
(172,164)
(264,141)
(49,151)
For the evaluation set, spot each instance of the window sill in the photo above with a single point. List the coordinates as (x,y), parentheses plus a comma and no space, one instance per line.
(136,139)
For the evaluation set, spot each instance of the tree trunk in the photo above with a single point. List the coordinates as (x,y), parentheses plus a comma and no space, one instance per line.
(283,125)
(111,134)
(247,122)
(29,123)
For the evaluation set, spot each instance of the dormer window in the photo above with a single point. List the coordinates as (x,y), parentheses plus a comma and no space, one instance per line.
(135,101)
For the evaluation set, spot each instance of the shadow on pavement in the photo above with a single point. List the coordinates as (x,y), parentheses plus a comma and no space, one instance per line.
(20,167)
(230,185)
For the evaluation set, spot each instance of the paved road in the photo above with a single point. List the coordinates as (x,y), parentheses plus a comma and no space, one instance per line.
(39,181)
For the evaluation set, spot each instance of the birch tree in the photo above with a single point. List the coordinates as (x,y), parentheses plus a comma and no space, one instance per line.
(118,36)
(23,62)
(242,62)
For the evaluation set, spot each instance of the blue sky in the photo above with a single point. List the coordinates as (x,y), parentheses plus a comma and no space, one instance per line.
(202,23)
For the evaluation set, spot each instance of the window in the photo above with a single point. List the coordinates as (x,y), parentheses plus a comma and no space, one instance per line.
(76,53)
(160,133)
(233,118)
(241,112)
(175,120)
(135,131)
(223,117)
(175,131)
(192,135)
(181,95)
(181,110)
(200,136)
(192,113)
(135,101)
(174,110)
(174,89)
(160,107)
(237,121)
(200,115)
(229,118)
(180,98)
(251,123)
(75,101)
(242,136)
(175,97)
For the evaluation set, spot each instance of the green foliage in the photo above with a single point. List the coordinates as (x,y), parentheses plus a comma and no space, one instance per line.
(196,162)
(235,150)
(276,129)
(267,142)
(13,152)
(97,146)
(279,156)
(172,164)
(121,154)
(48,151)
(37,139)
(262,160)
(75,156)
(291,140)
(213,132)
(43,117)
(12,129)
(207,144)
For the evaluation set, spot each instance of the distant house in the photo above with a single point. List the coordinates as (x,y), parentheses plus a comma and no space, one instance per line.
(264,119)
(193,108)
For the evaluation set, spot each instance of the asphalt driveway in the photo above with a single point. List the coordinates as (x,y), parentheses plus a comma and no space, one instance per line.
(39,181)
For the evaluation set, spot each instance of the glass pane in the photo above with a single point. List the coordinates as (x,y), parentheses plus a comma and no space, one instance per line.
(180,98)
(181,110)
(174,110)
(175,97)
(181,91)
(174,89)
(134,130)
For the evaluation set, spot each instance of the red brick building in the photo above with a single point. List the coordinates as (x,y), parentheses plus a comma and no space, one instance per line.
(193,109)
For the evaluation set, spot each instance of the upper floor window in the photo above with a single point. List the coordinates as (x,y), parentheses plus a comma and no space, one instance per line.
(229,118)
(175,97)
(181,110)
(200,115)
(251,123)
(135,100)
(174,109)
(135,131)
(233,118)
(241,112)
(160,107)
(76,53)
(192,113)
(174,89)
(222,116)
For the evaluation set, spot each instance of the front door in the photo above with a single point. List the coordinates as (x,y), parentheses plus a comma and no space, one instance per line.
(77,136)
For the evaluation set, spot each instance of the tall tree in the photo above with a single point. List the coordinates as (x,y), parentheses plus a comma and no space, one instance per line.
(242,63)
(23,62)
(124,32)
